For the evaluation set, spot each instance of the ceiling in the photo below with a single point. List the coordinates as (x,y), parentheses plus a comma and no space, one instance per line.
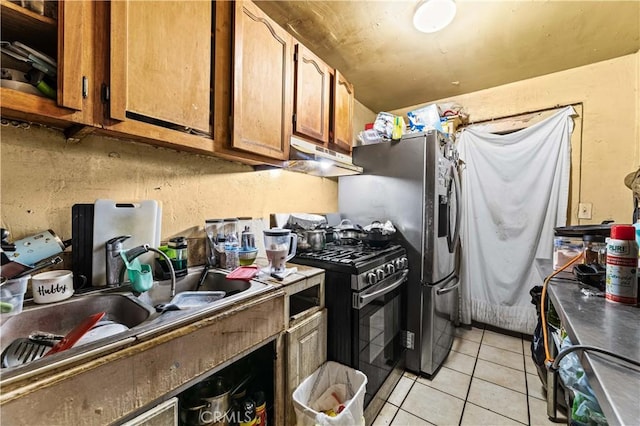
(489,43)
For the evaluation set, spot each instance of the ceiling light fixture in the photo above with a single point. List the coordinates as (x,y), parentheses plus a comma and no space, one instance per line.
(433,15)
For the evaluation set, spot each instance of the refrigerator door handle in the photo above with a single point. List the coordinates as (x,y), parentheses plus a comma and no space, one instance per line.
(360,301)
(456,232)
(446,290)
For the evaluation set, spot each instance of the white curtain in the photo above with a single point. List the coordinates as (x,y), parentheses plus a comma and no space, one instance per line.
(514,192)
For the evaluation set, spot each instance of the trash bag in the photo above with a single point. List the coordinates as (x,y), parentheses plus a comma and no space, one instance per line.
(336,389)
(585,409)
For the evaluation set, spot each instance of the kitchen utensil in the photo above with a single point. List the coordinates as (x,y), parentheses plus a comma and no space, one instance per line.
(208,402)
(141,220)
(316,239)
(75,334)
(243,273)
(247,255)
(12,295)
(101,330)
(378,234)
(13,74)
(280,245)
(348,232)
(305,221)
(16,270)
(82,242)
(22,351)
(190,299)
(52,286)
(35,248)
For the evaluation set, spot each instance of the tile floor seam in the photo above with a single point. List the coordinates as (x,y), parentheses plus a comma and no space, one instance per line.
(500,414)
(502,365)
(504,349)
(497,384)
(466,398)
(526,383)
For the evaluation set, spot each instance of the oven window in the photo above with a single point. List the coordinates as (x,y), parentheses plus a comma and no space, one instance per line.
(382,319)
(379,338)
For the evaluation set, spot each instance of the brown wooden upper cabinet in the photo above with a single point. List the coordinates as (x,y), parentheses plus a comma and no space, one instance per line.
(66,36)
(342,119)
(323,102)
(262,84)
(161,63)
(312,96)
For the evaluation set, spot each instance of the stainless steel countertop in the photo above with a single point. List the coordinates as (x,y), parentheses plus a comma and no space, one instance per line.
(597,322)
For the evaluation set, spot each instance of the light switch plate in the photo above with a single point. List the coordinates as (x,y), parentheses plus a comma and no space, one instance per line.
(584,210)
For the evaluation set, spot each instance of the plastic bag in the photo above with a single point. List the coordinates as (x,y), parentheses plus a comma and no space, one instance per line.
(312,390)
(585,409)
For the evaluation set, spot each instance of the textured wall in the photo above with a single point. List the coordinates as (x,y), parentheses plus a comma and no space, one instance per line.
(43,176)
(609,92)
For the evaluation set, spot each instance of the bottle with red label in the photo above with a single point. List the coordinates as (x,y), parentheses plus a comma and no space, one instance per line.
(622,264)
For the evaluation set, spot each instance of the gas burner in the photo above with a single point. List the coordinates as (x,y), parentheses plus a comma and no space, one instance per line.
(354,257)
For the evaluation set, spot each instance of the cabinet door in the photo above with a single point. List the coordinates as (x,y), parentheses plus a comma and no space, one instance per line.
(306,351)
(161,62)
(75,19)
(312,96)
(343,99)
(262,98)
(68,40)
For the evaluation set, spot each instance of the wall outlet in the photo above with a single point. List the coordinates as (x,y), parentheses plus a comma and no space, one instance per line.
(584,210)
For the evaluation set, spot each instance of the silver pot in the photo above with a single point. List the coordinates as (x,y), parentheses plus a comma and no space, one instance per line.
(316,239)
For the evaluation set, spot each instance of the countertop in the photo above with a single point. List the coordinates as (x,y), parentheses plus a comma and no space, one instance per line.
(598,322)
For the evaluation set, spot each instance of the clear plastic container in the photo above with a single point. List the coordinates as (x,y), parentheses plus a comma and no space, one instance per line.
(593,244)
(12,295)
(565,249)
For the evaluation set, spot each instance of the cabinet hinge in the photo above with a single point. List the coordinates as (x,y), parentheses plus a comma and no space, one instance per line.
(85,87)
(295,56)
(104,93)
(293,119)
(407,339)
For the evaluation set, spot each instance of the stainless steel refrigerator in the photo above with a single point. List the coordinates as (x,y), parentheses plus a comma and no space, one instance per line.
(414,183)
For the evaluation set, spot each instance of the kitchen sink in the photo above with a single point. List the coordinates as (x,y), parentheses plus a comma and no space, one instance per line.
(214,281)
(135,312)
(60,318)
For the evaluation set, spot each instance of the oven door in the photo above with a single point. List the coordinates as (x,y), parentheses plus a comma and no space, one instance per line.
(378,310)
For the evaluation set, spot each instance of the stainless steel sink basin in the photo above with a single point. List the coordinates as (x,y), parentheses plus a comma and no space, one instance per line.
(60,318)
(215,281)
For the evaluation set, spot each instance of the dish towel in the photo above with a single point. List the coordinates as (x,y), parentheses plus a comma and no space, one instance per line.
(514,192)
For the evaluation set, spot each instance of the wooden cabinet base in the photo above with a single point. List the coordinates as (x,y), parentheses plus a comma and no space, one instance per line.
(125,382)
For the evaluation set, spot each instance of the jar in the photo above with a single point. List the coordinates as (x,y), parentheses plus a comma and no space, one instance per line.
(232,252)
(212,228)
(593,245)
(230,226)
(178,253)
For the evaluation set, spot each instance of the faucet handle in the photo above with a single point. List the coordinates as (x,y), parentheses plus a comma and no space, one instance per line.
(115,244)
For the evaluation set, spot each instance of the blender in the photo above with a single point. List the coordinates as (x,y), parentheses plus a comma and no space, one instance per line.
(280,245)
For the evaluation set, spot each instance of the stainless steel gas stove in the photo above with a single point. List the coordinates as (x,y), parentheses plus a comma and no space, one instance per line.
(365,298)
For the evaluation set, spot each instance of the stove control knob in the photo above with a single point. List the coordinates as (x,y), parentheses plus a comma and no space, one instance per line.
(402,263)
(371,278)
(380,274)
(389,269)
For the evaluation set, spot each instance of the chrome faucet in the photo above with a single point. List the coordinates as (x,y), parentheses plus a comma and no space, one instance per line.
(115,264)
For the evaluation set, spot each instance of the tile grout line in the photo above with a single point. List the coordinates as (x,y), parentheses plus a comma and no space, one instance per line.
(466,397)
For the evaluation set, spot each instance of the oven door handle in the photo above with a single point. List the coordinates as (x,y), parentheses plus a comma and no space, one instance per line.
(362,300)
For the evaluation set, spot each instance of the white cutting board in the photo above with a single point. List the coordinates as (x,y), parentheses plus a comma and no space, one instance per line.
(142,220)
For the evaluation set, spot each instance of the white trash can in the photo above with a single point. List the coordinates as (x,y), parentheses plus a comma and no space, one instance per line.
(332,387)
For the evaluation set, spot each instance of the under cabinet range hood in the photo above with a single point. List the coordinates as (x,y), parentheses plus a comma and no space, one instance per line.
(312,159)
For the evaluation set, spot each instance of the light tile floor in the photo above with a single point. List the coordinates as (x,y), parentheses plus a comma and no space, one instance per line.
(487,379)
